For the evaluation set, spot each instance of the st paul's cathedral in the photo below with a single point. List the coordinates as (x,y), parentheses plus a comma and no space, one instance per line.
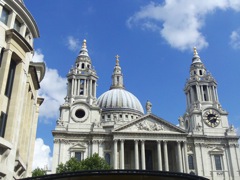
(115,126)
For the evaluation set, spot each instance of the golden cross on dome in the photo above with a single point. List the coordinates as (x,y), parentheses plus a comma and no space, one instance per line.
(117,59)
(84,44)
(195,51)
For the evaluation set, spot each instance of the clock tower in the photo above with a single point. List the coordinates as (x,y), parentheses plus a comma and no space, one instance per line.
(204,114)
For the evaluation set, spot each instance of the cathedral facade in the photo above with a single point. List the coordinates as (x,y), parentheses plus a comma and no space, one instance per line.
(116,127)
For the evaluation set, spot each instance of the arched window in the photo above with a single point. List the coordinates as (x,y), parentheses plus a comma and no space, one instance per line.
(107,158)
(82,65)
(190,162)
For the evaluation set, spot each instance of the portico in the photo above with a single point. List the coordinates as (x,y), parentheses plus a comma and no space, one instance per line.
(150,154)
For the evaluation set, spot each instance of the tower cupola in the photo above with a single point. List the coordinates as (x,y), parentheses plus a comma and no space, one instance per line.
(83,60)
(197,67)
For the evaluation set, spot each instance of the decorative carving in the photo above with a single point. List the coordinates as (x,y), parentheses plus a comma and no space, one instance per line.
(96,123)
(55,141)
(231,129)
(189,148)
(198,127)
(66,100)
(60,122)
(108,146)
(220,173)
(149,126)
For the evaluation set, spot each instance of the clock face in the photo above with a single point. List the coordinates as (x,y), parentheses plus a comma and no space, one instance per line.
(211,118)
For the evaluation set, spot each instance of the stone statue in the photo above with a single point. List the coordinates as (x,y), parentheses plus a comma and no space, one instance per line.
(181,121)
(148,107)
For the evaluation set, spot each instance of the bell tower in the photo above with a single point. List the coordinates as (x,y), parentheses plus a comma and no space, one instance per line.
(82,78)
(80,109)
(204,114)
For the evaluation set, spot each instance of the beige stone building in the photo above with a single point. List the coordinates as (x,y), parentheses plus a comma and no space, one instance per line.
(19,85)
(116,127)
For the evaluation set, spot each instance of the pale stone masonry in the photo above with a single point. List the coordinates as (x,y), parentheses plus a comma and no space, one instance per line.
(116,127)
(19,85)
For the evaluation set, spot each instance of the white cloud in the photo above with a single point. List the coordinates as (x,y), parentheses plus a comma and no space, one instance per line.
(73,43)
(235,39)
(53,90)
(38,56)
(41,158)
(179,22)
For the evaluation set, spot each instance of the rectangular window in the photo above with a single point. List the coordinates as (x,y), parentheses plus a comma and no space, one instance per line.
(3,121)
(78,156)
(218,163)
(4,16)
(190,162)
(17,25)
(107,158)
(10,80)
(1,56)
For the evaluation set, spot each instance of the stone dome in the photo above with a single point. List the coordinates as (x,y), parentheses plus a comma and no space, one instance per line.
(120,99)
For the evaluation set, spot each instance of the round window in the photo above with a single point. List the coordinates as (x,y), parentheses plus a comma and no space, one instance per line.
(80,113)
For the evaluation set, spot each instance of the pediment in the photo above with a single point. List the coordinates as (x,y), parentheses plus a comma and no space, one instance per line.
(149,124)
(216,150)
(78,146)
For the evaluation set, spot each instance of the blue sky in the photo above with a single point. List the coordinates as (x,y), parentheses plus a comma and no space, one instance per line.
(154,40)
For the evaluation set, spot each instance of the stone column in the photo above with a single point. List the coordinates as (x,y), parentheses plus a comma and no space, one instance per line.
(100,148)
(188,99)
(89,148)
(159,153)
(143,155)
(180,169)
(192,95)
(233,160)
(6,59)
(185,156)
(136,155)
(209,94)
(78,87)
(202,93)
(216,93)
(94,146)
(122,154)
(85,87)
(90,88)
(165,156)
(198,93)
(75,87)
(115,154)
(213,94)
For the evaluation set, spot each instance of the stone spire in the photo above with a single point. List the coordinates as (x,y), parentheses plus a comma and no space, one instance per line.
(117,77)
